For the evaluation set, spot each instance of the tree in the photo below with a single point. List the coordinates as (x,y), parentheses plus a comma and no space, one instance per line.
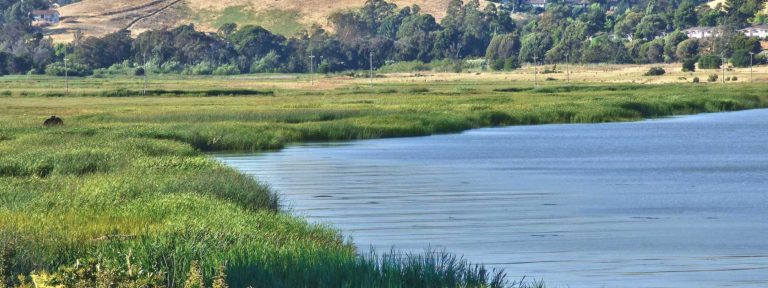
(710,61)
(534,45)
(503,47)
(255,41)
(741,58)
(650,27)
(627,25)
(605,50)
(571,43)
(103,52)
(655,51)
(689,65)
(687,49)
(415,38)
(227,29)
(709,17)
(685,15)
(670,45)
(738,12)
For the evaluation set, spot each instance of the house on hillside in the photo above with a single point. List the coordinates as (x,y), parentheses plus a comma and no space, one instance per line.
(583,3)
(45,16)
(700,32)
(759,31)
(538,3)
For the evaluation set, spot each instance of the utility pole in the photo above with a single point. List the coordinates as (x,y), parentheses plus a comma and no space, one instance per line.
(723,62)
(535,70)
(751,57)
(370,59)
(66,74)
(145,74)
(312,70)
(567,69)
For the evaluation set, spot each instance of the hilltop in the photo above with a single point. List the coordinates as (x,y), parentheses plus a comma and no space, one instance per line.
(99,17)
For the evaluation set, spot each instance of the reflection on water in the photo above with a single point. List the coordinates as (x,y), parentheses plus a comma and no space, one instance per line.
(666,203)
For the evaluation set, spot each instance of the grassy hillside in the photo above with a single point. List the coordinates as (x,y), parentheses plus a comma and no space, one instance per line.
(99,17)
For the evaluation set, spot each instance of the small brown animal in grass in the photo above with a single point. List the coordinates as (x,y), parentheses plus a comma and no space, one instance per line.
(53,121)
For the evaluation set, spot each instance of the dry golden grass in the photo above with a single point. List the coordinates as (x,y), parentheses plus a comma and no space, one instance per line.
(597,73)
(100,17)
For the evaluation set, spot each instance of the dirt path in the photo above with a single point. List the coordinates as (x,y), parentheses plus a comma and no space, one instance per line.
(134,21)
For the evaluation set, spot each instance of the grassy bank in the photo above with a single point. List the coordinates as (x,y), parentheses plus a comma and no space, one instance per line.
(126,182)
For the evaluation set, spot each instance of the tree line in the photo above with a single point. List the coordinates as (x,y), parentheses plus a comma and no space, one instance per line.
(505,34)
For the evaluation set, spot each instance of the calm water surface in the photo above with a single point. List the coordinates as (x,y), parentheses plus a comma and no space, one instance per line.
(680,202)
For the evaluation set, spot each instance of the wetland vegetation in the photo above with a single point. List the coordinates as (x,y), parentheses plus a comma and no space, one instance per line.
(126,182)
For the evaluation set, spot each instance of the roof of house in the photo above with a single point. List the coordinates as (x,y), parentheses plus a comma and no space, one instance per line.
(699,29)
(537,2)
(45,12)
(756,28)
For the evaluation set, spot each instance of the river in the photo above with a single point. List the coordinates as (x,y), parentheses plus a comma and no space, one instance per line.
(675,202)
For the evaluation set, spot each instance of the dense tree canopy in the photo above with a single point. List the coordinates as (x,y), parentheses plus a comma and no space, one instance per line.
(640,31)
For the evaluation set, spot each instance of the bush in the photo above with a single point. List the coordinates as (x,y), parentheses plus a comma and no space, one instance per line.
(695,79)
(270,63)
(511,64)
(734,78)
(169,67)
(139,71)
(203,68)
(404,67)
(226,69)
(712,78)
(740,58)
(324,67)
(655,71)
(689,65)
(710,62)
(72,69)
(448,65)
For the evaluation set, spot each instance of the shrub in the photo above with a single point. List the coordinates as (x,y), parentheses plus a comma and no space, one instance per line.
(139,71)
(655,71)
(689,65)
(203,68)
(511,64)
(270,63)
(498,64)
(324,67)
(727,79)
(448,65)
(404,67)
(712,78)
(734,78)
(72,69)
(226,69)
(710,62)
(695,79)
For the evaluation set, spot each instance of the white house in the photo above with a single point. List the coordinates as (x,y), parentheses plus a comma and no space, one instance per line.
(759,31)
(701,32)
(46,16)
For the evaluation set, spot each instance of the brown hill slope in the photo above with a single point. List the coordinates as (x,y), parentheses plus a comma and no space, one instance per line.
(99,17)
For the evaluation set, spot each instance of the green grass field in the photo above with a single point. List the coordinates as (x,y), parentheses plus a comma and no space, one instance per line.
(127,182)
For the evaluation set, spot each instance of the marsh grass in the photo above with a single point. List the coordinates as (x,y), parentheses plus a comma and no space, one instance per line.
(127,175)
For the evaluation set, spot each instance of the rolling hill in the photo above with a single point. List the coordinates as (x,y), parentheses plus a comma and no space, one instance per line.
(99,17)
